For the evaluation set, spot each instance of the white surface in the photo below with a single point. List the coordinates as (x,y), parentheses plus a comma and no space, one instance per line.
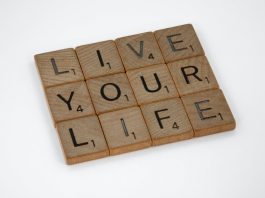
(224,165)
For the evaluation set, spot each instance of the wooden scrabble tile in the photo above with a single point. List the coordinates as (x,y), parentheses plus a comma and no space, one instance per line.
(99,59)
(152,83)
(139,50)
(167,121)
(111,93)
(69,101)
(193,75)
(58,67)
(82,139)
(208,112)
(178,43)
(125,130)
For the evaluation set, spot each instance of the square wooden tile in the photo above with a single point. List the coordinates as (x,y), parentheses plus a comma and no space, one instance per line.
(193,75)
(208,112)
(69,101)
(111,93)
(178,42)
(125,130)
(99,59)
(139,50)
(152,83)
(58,67)
(167,121)
(82,139)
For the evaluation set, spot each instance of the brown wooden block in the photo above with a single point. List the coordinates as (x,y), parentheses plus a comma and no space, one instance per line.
(58,67)
(208,112)
(167,121)
(82,139)
(99,59)
(139,50)
(69,101)
(178,43)
(152,83)
(193,75)
(111,93)
(125,130)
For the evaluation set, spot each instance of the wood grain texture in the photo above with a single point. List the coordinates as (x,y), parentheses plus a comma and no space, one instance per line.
(82,139)
(99,59)
(209,112)
(193,75)
(58,67)
(139,50)
(178,42)
(125,130)
(111,93)
(152,83)
(167,121)
(69,101)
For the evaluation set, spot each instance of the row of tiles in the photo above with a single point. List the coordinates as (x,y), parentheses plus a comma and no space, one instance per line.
(111,57)
(122,90)
(134,128)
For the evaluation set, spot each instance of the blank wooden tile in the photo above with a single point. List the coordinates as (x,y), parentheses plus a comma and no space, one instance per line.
(125,130)
(139,50)
(193,75)
(152,83)
(99,59)
(209,112)
(82,139)
(111,93)
(178,42)
(167,121)
(58,67)
(69,101)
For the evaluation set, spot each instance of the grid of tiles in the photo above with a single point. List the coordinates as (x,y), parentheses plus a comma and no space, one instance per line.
(118,96)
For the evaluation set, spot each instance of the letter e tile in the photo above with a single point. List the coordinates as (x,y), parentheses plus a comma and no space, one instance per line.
(178,43)
(208,112)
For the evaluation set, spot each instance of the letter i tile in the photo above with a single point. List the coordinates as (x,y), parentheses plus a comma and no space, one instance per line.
(125,130)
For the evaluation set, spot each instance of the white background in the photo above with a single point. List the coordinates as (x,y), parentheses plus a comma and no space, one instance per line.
(230,164)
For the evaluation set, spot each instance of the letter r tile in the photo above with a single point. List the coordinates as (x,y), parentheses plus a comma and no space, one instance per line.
(178,43)
(167,121)
(193,75)
(111,93)
(69,101)
(208,112)
(139,50)
(58,67)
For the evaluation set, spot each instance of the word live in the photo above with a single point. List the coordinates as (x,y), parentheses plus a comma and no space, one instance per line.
(118,96)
